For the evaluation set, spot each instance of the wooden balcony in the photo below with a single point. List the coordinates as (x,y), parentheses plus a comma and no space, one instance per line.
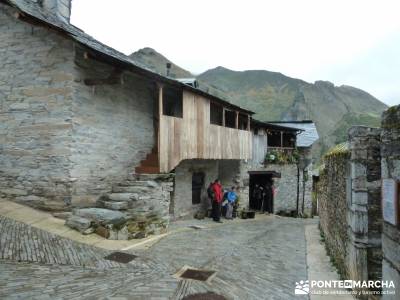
(193,137)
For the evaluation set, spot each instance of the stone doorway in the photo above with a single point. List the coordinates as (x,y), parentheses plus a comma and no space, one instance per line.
(261,196)
(197,186)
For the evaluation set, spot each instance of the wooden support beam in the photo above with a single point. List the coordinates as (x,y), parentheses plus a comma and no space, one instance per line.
(281,139)
(237,120)
(248,122)
(223,116)
(114,78)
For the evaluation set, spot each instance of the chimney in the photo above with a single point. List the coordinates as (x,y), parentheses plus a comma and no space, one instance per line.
(168,68)
(59,8)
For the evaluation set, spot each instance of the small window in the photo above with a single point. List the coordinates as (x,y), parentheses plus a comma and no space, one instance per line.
(274,139)
(289,140)
(197,187)
(243,121)
(216,112)
(172,102)
(230,118)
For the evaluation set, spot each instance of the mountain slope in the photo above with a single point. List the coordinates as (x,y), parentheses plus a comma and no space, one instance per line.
(274,96)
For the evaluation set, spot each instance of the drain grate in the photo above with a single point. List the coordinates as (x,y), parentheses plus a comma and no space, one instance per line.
(200,275)
(204,296)
(120,257)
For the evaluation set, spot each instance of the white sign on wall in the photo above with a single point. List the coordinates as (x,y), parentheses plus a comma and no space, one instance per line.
(390,200)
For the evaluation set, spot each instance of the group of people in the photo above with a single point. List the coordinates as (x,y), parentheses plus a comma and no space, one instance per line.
(263,195)
(220,198)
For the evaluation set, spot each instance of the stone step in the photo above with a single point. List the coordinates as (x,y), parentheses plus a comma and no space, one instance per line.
(115,205)
(157,177)
(120,197)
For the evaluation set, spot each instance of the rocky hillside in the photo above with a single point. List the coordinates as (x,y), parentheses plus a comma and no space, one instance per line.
(275,96)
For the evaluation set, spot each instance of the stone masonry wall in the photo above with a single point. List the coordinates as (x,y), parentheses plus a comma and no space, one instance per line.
(286,186)
(390,152)
(112,129)
(182,197)
(36,92)
(364,213)
(332,208)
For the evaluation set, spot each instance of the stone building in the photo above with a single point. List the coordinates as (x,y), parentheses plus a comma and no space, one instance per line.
(390,152)
(80,120)
(281,155)
(83,125)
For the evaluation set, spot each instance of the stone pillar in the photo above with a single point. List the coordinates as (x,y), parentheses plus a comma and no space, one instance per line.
(390,151)
(60,8)
(364,211)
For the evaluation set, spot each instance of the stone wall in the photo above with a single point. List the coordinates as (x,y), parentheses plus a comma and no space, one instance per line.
(182,197)
(364,213)
(63,142)
(36,94)
(390,151)
(332,208)
(112,129)
(286,186)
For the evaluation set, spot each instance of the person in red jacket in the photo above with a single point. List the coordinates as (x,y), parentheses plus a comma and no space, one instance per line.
(217,200)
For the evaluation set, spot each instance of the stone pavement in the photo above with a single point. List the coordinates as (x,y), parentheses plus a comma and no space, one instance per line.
(254,259)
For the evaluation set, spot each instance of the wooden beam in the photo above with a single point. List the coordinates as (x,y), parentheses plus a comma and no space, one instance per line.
(281,139)
(223,116)
(248,122)
(114,78)
(237,120)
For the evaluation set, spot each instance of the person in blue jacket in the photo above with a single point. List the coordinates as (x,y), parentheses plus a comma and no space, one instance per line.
(231,197)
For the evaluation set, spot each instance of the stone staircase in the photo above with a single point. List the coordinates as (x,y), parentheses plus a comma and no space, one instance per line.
(143,201)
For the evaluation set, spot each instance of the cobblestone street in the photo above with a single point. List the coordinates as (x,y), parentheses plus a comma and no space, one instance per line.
(254,259)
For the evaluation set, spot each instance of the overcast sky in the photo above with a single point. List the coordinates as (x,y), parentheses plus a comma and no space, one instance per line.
(352,42)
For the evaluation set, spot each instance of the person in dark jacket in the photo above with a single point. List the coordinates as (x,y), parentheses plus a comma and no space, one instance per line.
(217,200)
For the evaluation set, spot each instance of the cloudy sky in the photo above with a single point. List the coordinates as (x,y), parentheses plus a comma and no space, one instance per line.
(352,42)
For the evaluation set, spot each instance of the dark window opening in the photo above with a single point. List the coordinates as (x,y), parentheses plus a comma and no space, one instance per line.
(243,122)
(289,140)
(274,139)
(172,102)
(216,114)
(230,119)
(197,187)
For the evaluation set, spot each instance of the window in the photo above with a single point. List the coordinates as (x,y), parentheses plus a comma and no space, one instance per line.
(197,187)
(243,120)
(230,118)
(289,140)
(216,112)
(172,102)
(274,139)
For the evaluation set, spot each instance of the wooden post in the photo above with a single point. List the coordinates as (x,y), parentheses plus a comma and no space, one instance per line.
(237,120)
(160,113)
(281,139)
(223,116)
(248,122)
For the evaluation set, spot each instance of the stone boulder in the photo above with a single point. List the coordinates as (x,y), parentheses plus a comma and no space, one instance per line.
(78,223)
(101,216)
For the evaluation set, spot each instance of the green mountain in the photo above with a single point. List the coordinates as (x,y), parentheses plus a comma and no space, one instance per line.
(274,97)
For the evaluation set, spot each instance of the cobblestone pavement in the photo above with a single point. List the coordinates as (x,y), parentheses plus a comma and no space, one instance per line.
(259,259)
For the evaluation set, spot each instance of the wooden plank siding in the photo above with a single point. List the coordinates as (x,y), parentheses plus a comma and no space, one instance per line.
(193,137)
(260,148)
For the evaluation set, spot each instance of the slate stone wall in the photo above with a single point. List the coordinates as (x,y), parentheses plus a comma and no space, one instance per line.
(182,196)
(36,95)
(113,129)
(390,152)
(332,208)
(364,213)
(286,186)
(63,142)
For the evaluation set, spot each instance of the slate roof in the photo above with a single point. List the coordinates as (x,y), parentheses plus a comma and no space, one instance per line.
(307,137)
(32,9)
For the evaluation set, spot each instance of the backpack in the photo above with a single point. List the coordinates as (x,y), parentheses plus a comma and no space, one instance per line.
(210,191)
